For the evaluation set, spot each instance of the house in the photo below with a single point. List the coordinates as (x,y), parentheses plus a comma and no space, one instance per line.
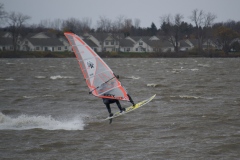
(184,46)
(126,45)
(42,42)
(5,34)
(207,44)
(140,43)
(100,42)
(150,44)
(6,44)
(106,42)
(235,45)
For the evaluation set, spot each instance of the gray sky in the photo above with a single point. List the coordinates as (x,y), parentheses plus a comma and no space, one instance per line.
(147,11)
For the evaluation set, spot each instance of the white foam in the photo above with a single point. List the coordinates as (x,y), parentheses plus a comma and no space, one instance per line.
(9,79)
(152,85)
(29,97)
(25,122)
(133,77)
(194,69)
(40,77)
(60,77)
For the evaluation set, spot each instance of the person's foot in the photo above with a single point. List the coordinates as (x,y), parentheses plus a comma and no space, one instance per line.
(133,103)
(110,114)
(123,110)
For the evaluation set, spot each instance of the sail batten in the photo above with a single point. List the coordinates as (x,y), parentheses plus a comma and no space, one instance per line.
(99,78)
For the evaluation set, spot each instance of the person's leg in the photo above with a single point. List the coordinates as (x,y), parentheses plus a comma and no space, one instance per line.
(108,108)
(107,103)
(119,106)
(130,98)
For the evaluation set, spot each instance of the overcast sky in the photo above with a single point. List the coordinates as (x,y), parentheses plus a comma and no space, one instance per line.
(147,11)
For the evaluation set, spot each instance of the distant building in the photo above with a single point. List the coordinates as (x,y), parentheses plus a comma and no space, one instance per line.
(42,42)
(100,42)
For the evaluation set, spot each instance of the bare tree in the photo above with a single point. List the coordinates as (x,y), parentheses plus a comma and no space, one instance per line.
(71,24)
(76,25)
(57,24)
(16,23)
(172,29)
(137,23)
(118,23)
(46,23)
(104,24)
(117,28)
(2,14)
(202,21)
(86,24)
(127,26)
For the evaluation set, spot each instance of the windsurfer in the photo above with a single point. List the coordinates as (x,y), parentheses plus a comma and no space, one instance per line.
(108,101)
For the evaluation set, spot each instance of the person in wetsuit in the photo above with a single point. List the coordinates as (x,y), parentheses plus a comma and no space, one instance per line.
(108,101)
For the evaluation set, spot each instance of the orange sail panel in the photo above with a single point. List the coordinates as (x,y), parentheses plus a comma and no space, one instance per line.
(99,77)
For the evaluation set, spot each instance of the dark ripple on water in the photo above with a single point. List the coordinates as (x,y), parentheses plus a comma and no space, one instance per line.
(47,113)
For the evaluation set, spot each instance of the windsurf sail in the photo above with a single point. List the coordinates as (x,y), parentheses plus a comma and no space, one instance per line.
(99,77)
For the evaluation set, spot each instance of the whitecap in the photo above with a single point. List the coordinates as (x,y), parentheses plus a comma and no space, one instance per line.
(29,97)
(25,122)
(194,97)
(9,79)
(189,97)
(60,77)
(133,77)
(194,69)
(152,85)
(40,77)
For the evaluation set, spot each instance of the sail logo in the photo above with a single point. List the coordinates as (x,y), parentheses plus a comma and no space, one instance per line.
(90,64)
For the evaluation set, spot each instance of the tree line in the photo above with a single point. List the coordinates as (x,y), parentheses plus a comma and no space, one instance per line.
(172,28)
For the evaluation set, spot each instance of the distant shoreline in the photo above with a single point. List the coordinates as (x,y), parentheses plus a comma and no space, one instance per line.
(21,54)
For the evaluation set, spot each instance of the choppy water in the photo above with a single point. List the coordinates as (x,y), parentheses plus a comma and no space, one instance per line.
(47,113)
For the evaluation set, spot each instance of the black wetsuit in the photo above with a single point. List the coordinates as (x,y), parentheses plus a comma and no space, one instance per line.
(107,102)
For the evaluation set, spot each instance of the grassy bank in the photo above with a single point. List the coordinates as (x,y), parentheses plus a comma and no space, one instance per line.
(21,54)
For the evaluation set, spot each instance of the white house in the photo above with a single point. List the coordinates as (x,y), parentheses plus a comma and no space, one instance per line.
(42,42)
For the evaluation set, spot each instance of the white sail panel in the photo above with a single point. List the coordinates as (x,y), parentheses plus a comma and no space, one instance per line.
(99,77)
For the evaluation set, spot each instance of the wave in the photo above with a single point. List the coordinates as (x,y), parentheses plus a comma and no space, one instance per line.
(40,77)
(10,63)
(204,65)
(26,122)
(8,79)
(30,97)
(182,69)
(152,85)
(194,69)
(133,77)
(190,97)
(60,77)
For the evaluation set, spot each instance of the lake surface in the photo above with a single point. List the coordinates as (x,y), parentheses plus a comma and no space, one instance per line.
(47,113)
